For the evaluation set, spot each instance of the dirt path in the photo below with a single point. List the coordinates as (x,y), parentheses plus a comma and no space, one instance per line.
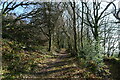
(60,66)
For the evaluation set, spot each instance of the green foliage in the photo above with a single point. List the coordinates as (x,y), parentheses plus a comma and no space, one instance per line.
(92,60)
(89,53)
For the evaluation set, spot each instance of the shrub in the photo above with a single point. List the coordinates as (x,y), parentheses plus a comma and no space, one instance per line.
(91,59)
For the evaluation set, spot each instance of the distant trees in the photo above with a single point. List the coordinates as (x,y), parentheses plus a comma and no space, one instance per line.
(117,16)
(109,38)
(45,17)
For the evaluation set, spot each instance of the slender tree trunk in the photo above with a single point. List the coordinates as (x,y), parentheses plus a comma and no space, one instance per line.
(108,49)
(50,41)
(49,27)
(58,38)
(74,28)
(82,26)
(96,39)
(88,36)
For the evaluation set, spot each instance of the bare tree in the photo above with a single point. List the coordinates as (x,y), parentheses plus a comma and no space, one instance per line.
(73,6)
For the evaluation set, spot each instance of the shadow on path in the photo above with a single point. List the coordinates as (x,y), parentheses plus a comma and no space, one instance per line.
(52,71)
(62,66)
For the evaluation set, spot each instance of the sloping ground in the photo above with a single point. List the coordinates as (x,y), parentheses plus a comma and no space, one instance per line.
(21,64)
(114,67)
(59,67)
(62,65)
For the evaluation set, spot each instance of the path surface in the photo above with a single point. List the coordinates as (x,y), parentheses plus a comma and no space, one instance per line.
(60,66)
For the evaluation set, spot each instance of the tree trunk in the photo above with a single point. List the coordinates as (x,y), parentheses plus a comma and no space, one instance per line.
(82,26)
(50,39)
(74,28)
(96,39)
(49,27)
